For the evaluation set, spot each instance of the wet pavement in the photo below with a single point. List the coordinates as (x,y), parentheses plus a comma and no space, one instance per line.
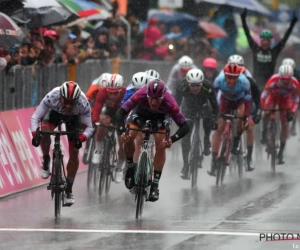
(230,217)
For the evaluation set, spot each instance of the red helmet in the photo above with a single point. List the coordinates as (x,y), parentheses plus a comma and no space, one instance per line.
(156,89)
(210,63)
(70,90)
(232,69)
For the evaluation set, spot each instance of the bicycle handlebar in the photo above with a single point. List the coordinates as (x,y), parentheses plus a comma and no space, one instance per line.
(37,139)
(98,124)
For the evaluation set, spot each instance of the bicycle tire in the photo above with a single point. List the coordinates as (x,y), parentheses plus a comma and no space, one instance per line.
(105,167)
(91,168)
(194,161)
(221,167)
(240,163)
(140,176)
(273,145)
(110,163)
(108,180)
(57,189)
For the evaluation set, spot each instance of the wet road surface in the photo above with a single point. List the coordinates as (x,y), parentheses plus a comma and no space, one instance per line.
(230,217)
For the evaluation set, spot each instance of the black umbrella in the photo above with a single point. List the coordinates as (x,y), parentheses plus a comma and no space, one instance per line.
(10,33)
(9,6)
(44,13)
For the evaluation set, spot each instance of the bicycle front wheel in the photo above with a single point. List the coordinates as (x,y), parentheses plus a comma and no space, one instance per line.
(57,189)
(221,168)
(141,184)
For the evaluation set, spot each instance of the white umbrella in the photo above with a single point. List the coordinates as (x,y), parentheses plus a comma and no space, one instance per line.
(44,13)
(252,6)
(104,14)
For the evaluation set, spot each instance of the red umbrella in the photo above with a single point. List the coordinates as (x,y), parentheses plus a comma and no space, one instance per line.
(10,33)
(212,30)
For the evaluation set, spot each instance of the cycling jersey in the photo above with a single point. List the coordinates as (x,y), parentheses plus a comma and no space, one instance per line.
(241,90)
(191,104)
(274,89)
(175,78)
(129,92)
(264,61)
(103,99)
(52,101)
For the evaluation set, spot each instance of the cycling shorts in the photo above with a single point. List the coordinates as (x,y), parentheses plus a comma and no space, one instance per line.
(226,106)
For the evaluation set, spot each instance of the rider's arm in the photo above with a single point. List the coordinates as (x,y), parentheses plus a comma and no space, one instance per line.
(295,95)
(172,79)
(216,85)
(120,118)
(213,101)
(279,46)
(179,95)
(100,99)
(251,42)
(90,94)
(37,116)
(181,132)
(86,120)
(128,94)
(255,93)
(266,92)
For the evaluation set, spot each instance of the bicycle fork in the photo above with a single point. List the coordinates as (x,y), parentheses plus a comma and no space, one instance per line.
(227,133)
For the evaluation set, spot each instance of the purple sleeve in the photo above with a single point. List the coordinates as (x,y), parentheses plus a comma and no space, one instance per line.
(135,99)
(173,109)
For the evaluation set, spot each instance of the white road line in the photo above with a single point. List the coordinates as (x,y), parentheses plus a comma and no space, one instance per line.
(127,231)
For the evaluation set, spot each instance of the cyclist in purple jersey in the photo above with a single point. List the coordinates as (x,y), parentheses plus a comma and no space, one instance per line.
(154,103)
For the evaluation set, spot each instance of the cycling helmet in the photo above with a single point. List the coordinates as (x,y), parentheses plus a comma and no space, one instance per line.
(232,69)
(152,73)
(115,83)
(156,89)
(289,61)
(140,79)
(103,79)
(286,71)
(210,63)
(195,76)
(237,59)
(266,34)
(70,91)
(185,62)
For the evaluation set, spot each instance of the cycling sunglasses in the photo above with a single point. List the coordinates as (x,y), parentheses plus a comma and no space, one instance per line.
(195,85)
(157,99)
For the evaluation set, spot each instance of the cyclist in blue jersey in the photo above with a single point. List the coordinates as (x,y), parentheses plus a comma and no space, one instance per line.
(236,95)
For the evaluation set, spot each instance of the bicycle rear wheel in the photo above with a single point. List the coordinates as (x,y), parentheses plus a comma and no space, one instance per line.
(140,185)
(272,145)
(221,165)
(57,190)
(92,170)
(105,168)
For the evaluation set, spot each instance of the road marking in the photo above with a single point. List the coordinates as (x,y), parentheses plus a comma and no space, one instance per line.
(127,231)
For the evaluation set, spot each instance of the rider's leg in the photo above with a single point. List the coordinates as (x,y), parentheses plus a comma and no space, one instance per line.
(72,166)
(50,122)
(100,133)
(185,148)
(250,143)
(207,124)
(215,145)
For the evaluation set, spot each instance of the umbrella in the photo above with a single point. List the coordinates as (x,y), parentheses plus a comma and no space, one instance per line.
(252,6)
(10,33)
(82,7)
(44,13)
(9,6)
(185,21)
(212,30)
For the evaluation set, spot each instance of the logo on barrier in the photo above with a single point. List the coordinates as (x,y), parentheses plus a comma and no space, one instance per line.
(25,154)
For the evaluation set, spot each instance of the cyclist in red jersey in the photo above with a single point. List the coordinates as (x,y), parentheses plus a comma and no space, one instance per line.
(282,89)
(107,103)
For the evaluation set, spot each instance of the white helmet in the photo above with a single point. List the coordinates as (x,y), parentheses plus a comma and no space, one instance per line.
(115,83)
(105,77)
(286,71)
(237,59)
(289,61)
(70,90)
(185,62)
(140,79)
(195,76)
(152,73)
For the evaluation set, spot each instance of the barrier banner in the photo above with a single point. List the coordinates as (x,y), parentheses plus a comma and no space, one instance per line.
(12,176)
(24,164)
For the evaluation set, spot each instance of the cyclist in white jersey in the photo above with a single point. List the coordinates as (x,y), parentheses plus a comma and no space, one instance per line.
(67,103)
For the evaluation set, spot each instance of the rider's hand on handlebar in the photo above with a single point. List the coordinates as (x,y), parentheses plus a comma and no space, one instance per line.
(124,138)
(167,144)
(35,140)
(82,137)
(289,115)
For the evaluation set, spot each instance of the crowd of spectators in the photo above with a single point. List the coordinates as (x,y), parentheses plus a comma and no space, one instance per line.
(44,46)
